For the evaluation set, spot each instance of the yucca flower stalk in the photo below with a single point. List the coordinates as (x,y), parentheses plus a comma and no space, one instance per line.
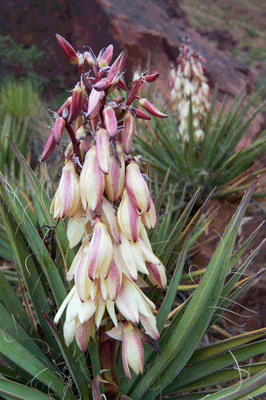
(189,85)
(103,192)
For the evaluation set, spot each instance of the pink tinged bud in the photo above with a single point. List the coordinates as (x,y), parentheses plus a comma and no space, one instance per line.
(66,201)
(59,126)
(86,310)
(117,68)
(99,312)
(148,255)
(91,181)
(121,85)
(126,301)
(125,260)
(149,218)
(101,251)
(82,335)
(69,330)
(106,56)
(137,188)
(110,305)
(116,332)
(103,84)
(140,114)
(103,150)
(67,50)
(89,57)
(128,132)
(82,273)
(49,147)
(95,102)
(157,274)
(77,102)
(139,258)
(65,105)
(103,288)
(94,123)
(108,216)
(110,121)
(114,280)
(128,219)
(149,324)
(151,78)
(115,180)
(132,350)
(148,106)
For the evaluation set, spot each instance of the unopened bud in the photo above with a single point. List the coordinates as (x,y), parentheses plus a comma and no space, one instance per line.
(117,68)
(103,150)
(49,147)
(110,121)
(148,106)
(151,78)
(115,180)
(66,105)
(137,188)
(128,132)
(95,101)
(77,101)
(128,219)
(140,114)
(106,56)
(67,50)
(103,84)
(121,85)
(59,126)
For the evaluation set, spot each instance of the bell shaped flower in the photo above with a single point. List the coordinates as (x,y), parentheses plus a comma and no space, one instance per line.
(137,188)
(66,201)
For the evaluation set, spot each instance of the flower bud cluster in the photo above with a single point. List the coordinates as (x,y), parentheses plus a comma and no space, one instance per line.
(107,200)
(188,83)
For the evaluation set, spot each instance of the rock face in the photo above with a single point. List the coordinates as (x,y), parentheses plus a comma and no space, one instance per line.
(150,30)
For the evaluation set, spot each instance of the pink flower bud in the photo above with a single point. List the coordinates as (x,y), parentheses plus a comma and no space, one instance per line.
(137,188)
(103,150)
(108,216)
(67,50)
(128,132)
(149,218)
(101,252)
(121,85)
(89,57)
(95,102)
(77,101)
(66,201)
(66,105)
(82,335)
(151,78)
(59,126)
(103,84)
(115,180)
(140,114)
(117,68)
(91,181)
(106,56)
(148,106)
(110,121)
(49,147)
(132,350)
(157,274)
(128,219)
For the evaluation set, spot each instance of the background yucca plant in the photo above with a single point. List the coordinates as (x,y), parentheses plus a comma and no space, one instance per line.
(210,163)
(37,364)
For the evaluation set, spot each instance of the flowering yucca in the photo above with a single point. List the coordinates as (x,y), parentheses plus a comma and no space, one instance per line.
(105,195)
(188,84)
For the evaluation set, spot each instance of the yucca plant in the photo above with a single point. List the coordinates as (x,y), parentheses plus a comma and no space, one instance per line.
(201,149)
(37,362)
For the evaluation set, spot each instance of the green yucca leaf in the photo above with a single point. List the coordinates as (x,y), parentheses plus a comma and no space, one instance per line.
(243,390)
(218,362)
(223,376)
(76,374)
(171,292)
(13,390)
(196,317)
(21,356)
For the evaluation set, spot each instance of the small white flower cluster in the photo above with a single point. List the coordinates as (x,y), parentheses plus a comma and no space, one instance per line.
(188,83)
